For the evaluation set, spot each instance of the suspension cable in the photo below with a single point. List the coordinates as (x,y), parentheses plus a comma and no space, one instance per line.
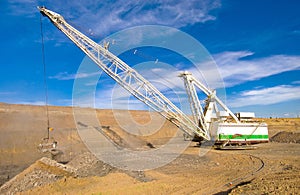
(45,76)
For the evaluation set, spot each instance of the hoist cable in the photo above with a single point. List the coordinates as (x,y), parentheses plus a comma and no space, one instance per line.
(45,76)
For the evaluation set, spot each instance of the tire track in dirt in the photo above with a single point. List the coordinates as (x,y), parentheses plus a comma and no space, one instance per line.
(244,179)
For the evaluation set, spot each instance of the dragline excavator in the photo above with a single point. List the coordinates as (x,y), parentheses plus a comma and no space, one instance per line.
(208,123)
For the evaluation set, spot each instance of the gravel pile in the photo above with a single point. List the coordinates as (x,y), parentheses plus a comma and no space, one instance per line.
(286,137)
(46,171)
(86,164)
(42,172)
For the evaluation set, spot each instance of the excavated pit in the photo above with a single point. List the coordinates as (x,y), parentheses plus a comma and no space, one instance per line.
(75,170)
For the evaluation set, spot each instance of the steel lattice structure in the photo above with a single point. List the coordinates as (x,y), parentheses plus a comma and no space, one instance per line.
(128,78)
(190,83)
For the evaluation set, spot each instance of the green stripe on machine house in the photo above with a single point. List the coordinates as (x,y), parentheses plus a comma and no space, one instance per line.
(221,136)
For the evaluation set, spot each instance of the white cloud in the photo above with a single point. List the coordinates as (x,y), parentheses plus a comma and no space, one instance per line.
(26,8)
(236,70)
(233,67)
(68,76)
(107,17)
(104,17)
(266,96)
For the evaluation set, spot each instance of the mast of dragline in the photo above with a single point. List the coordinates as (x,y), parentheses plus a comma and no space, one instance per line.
(190,83)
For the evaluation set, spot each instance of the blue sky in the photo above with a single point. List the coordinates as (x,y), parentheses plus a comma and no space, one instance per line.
(256,45)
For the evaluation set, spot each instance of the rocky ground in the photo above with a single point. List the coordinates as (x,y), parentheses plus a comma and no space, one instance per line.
(272,168)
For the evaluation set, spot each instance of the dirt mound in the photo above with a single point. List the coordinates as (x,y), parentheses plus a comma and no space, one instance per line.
(87,164)
(286,137)
(46,171)
(42,172)
(120,138)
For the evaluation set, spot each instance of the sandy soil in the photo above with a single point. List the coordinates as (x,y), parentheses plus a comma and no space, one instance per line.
(272,168)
